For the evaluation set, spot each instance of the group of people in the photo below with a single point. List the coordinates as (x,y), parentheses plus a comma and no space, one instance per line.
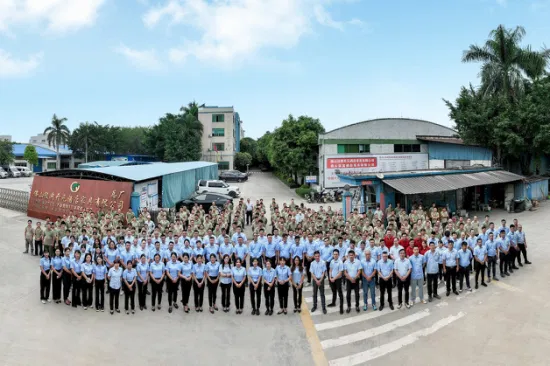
(87,255)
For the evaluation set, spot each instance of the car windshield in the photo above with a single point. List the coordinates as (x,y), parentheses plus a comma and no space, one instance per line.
(225,185)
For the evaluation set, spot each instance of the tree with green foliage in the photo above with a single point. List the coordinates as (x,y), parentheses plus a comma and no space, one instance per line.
(6,152)
(30,155)
(242,161)
(58,134)
(262,150)
(86,135)
(250,146)
(293,148)
(191,108)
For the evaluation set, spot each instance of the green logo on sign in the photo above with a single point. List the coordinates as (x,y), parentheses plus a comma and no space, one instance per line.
(75,186)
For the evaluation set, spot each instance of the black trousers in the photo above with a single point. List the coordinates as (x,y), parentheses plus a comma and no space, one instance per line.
(87,293)
(385,285)
(282,291)
(172,289)
(355,287)
(504,265)
(464,274)
(479,268)
(142,294)
(522,250)
(269,295)
(38,247)
(226,294)
(56,285)
(198,293)
(77,286)
(432,284)
(212,292)
(248,217)
(45,284)
(403,286)
(491,263)
(156,293)
(255,296)
(450,278)
(321,289)
(440,271)
(307,264)
(336,288)
(239,296)
(297,297)
(129,297)
(67,281)
(113,298)
(185,291)
(100,294)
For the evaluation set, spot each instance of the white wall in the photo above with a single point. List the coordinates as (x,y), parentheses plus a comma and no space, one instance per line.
(486,163)
(436,164)
(381,148)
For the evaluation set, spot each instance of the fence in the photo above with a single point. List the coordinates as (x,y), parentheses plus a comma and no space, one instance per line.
(13,199)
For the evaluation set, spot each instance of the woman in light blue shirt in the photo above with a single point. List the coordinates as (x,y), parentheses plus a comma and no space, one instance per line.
(238,274)
(111,253)
(255,286)
(100,272)
(213,277)
(225,282)
(115,283)
(129,277)
(45,277)
(173,271)
(297,280)
(142,269)
(87,281)
(57,276)
(156,271)
(199,274)
(76,270)
(283,278)
(67,276)
(186,279)
(269,276)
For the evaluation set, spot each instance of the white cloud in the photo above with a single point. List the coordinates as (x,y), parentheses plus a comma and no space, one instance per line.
(234,30)
(142,59)
(56,15)
(11,67)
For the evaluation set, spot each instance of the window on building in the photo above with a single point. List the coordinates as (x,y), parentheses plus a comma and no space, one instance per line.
(51,165)
(218,118)
(223,165)
(353,148)
(218,146)
(400,148)
(218,132)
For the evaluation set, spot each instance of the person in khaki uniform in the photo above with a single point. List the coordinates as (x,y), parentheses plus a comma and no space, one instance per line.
(38,239)
(49,239)
(29,236)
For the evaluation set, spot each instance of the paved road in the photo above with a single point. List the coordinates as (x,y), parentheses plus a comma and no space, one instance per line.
(506,323)
(22,184)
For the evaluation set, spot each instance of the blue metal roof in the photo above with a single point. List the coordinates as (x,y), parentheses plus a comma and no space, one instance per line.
(108,163)
(139,173)
(19,150)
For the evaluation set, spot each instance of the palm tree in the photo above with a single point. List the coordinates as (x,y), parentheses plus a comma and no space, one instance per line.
(85,135)
(58,134)
(192,108)
(505,63)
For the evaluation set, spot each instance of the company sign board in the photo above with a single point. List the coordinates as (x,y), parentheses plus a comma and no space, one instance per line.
(51,197)
(365,164)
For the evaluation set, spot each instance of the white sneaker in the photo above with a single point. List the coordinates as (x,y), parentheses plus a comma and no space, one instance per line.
(470,289)
(411,303)
(408,306)
(49,300)
(399,306)
(85,308)
(424,302)
(43,301)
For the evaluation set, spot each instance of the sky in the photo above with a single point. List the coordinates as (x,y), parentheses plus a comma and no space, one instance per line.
(128,62)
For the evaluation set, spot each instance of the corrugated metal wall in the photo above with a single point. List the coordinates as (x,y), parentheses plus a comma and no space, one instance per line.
(536,190)
(178,186)
(441,151)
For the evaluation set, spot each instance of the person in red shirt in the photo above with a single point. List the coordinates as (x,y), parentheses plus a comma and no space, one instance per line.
(388,239)
(404,241)
(418,240)
(410,249)
(424,247)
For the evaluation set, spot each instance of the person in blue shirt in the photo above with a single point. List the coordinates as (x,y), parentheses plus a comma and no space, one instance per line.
(45,277)
(255,285)
(256,251)
(318,270)
(142,270)
(368,274)
(156,271)
(173,271)
(480,259)
(225,282)
(432,258)
(352,271)
(384,268)
(199,270)
(186,280)
(57,275)
(129,277)
(503,246)
(464,261)
(212,269)
(492,252)
(522,245)
(270,251)
(100,272)
(115,284)
(403,269)
(417,275)
(450,267)
(238,278)
(76,270)
(335,275)
(297,280)
(269,276)
(283,279)
(87,281)
(297,249)
(67,276)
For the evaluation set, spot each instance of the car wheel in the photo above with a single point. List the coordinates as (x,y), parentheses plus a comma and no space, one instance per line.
(239,180)
(233,194)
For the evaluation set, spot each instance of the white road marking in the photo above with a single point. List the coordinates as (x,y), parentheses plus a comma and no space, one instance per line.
(336,309)
(352,319)
(373,332)
(376,352)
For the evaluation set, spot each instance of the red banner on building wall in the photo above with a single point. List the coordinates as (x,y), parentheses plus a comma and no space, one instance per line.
(52,197)
(342,163)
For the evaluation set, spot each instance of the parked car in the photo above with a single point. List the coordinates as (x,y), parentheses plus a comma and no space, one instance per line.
(25,172)
(233,176)
(217,186)
(12,171)
(3,173)
(204,199)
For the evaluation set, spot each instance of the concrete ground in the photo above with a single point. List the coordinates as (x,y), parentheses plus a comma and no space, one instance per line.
(506,323)
(22,184)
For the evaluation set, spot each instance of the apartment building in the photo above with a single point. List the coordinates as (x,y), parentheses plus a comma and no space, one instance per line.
(222,135)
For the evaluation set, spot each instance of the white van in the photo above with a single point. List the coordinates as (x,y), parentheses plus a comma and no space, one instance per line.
(217,186)
(25,172)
